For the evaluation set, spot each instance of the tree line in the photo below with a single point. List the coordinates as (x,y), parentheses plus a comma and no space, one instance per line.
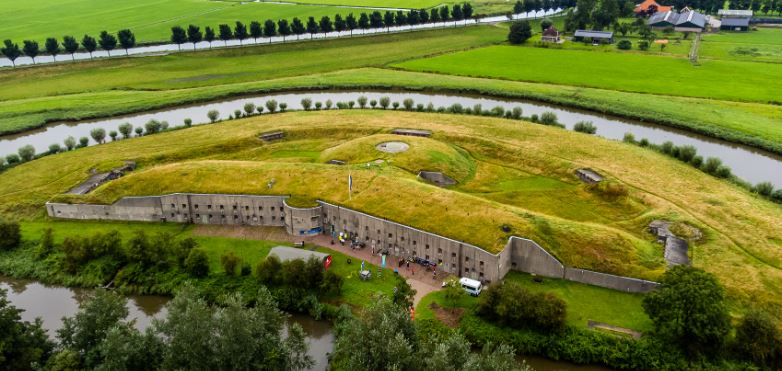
(285,28)
(125,38)
(527,6)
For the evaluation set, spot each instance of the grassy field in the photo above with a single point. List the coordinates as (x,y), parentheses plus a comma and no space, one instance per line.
(615,71)
(355,292)
(513,173)
(764,45)
(584,303)
(39,19)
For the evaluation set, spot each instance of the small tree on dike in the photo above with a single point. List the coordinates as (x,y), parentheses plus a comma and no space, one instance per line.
(11,51)
(126,39)
(209,36)
(70,45)
(107,41)
(89,44)
(31,49)
(178,36)
(519,32)
(194,35)
(213,115)
(52,47)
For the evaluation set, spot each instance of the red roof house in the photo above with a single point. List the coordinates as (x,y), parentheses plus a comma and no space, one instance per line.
(649,7)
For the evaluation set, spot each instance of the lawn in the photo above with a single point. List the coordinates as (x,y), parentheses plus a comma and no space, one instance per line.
(615,71)
(150,20)
(584,302)
(764,45)
(510,158)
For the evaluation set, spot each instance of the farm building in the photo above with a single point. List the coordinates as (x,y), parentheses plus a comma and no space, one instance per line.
(597,37)
(649,7)
(550,35)
(734,20)
(687,21)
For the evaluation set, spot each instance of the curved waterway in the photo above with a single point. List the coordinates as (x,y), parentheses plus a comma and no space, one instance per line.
(747,163)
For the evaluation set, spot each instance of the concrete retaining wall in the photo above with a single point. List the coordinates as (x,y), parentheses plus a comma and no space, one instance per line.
(456,257)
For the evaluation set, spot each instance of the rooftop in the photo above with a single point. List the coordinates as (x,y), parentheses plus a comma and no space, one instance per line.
(735,22)
(286,253)
(594,34)
(644,6)
(734,13)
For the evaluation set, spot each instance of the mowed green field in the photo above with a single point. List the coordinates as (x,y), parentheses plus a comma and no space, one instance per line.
(616,71)
(764,45)
(151,20)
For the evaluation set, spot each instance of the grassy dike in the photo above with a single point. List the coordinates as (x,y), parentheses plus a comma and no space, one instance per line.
(513,173)
(114,87)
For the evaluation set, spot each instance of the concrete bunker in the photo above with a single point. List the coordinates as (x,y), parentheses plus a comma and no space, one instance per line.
(589,176)
(437,178)
(392,147)
(336,162)
(675,248)
(412,132)
(96,179)
(272,135)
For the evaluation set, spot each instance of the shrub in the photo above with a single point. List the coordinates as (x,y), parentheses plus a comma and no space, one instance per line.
(723,172)
(477,109)
(456,108)
(271,105)
(498,111)
(54,148)
(113,135)
(667,147)
(548,118)
(229,262)
(430,107)
(385,102)
(329,103)
(332,284)
(362,101)
(643,45)
(283,107)
(697,161)
(585,127)
(516,113)
(246,270)
(624,45)
(249,108)
(351,104)
(139,131)
(10,235)
(237,113)
(420,107)
(84,141)
(763,189)
(513,305)
(306,104)
(711,165)
(687,153)
(318,105)
(777,195)
(46,245)
(268,270)
(758,340)
(408,104)
(259,109)
(373,103)
(395,105)
(534,118)
(197,263)
(644,142)
(629,138)
(188,122)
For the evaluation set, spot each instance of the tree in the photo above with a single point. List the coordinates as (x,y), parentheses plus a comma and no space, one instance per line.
(388,19)
(351,23)
(520,31)
(688,309)
(24,344)
(453,293)
(758,340)
(271,105)
(178,36)
(52,47)
(225,33)
(83,332)
(518,7)
(283,28)
(312,26)
(240,31)
(376,20)
(153,127)
(306,104)
(197,263)
(98,134)
(434,15)
(467,10)
(70,45)
(298,28)
(213,115)
(423,15)
(229,262)
(249,108)
(30,49)
(269,29)
(445,14)
(194,35)
(125,129)
(385,102)
(12,159)
(107,41)
(54,148)
(139,131)
(325,25)
(400,18)
(126,39)
(11,51)
(84,141)
(256,30)
(363,21)
(113,135)
(89,44)
(10,235)
(362,101)
(26,153)
(339,23)
(209,35)
(456,12)
(70,143)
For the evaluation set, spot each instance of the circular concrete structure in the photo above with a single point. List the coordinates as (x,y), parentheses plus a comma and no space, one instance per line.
(392,147)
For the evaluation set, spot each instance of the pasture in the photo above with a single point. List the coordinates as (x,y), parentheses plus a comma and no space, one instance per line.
(39,19)
(510,173)
(615,71)
(763,45)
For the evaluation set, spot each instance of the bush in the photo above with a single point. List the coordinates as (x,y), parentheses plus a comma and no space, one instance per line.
(373,103)
(13,159)
(385,102)
(763,189)
(667,147)
(10,235)
(237,113)
(318,106)
(188,122)
(513,305)
(249,108)
(629,138)
(624,45)
(520,32)
(697,161)
(711,165)
(723,172)
(283,106)
(497,111)
(548,118)
(54,148)
(271,106)
(643,142)
(687,153)
(362,101)
(516,113)
(213,115)
(229,262)
(585,127)
(26,153)
(268,270)
(758,340)
(246,270)
(408,104)
(643,45)
(456,108)
(534,118)
(197,263)
(777,195)
(395,105)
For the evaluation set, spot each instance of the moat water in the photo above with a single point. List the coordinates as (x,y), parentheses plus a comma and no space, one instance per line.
(747,163)
(52,303)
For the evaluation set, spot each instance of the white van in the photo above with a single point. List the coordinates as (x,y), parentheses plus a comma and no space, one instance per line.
(473,287)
